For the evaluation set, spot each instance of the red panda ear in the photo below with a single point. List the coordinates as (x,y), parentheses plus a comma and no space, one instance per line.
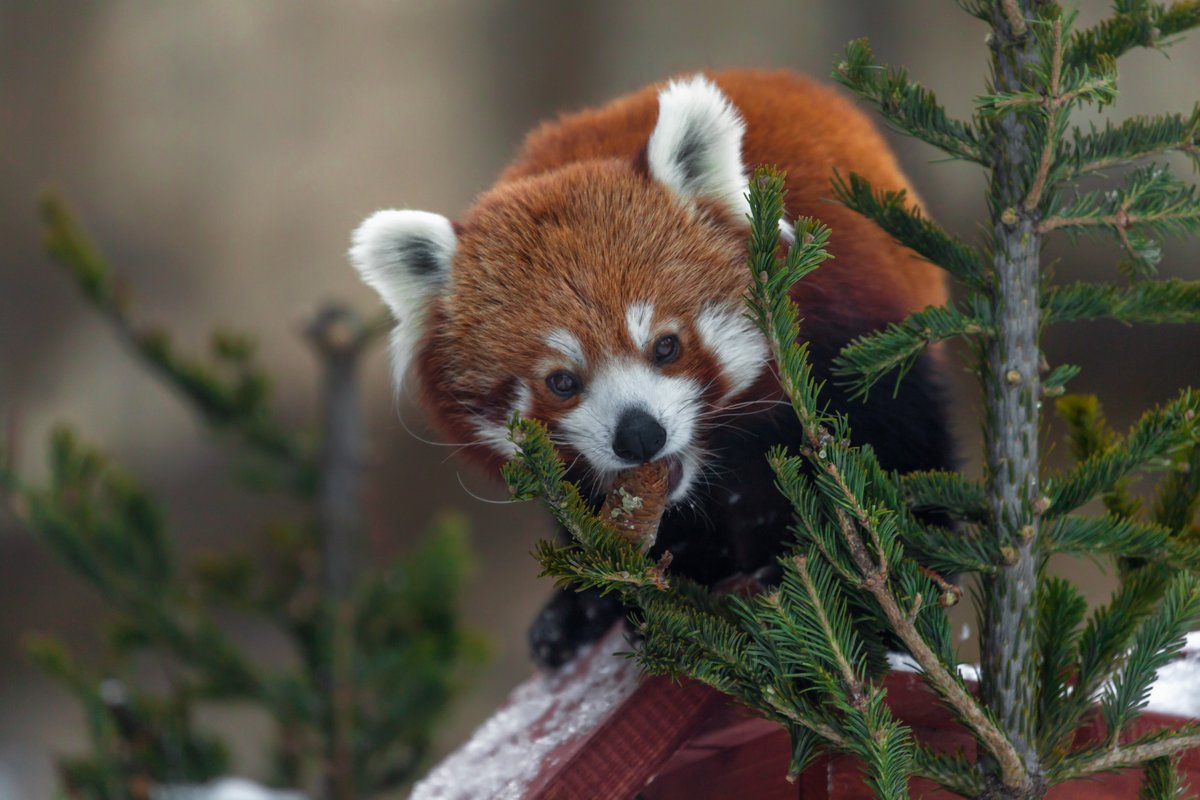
(406,257)
(696,146)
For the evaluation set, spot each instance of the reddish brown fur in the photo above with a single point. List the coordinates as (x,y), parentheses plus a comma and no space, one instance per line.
(574,231)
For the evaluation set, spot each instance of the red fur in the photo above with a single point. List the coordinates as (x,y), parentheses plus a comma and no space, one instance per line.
(575,229)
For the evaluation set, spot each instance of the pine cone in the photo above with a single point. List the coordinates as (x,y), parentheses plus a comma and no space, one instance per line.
(635,503)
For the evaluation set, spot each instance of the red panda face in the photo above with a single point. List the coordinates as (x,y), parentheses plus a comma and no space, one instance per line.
(603,298)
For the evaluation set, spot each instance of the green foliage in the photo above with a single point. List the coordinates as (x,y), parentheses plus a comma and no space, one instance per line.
(1169,534)
(905,223)
(375,667)
(1135,23)
(799,654)
(1151,204)
(411,654)
(894,350)
(906,105)
(138,739)
(1155,643)
(1158,435)
(964,499)
(230,391)
(1153,302)
(1160,781)
(1133,140)
(865,553)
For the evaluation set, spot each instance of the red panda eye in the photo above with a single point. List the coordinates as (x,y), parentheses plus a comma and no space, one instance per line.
(666,349)
(563,383)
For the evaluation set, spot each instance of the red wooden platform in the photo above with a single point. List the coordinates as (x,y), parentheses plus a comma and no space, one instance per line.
(660,740)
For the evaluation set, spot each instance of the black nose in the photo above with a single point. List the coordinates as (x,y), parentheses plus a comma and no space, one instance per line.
(639,437)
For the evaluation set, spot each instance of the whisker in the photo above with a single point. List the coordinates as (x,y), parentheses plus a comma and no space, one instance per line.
(489,501)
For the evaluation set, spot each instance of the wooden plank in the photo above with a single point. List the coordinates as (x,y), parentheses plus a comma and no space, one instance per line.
(629,747)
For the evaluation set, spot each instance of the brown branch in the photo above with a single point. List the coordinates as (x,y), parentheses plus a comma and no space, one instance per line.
(1016,22)
(1118,220)
(1131,756)
(1012,769)
(874,579)
(1055,105)
(338,337)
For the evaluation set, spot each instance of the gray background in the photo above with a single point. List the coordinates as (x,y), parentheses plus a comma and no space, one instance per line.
(221,152)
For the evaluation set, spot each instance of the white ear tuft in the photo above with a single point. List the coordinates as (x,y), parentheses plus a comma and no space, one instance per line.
(696,146)
(406,257)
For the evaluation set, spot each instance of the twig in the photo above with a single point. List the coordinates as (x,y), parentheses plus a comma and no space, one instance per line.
(338,337)
(1012,769)
(821,729)
(1016,22)
(1130,756)
(1055,105)
(1118,220)
(874,579)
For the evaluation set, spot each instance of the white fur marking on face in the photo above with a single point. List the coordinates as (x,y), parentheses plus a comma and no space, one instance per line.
(495,434)
(619,386)
(696,146)
(405,256)
(638,318)
(567,344)
(736,342)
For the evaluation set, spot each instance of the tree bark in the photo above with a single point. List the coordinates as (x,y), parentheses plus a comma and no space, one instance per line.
(1012,392)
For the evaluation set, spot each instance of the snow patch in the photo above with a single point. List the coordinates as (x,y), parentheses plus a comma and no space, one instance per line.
(222,789)
(903,662)
(1177,689)
(512,748)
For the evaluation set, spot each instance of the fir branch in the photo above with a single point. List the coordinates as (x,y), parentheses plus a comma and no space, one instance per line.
(1155,302)
(952,772)
(1151,203)
(833,461)
(1057,105)
(895,349)
(1136,24)
(1105,636)
(907,106)
(1160,780)
(538,472)
(830,613)
(1157,434)
(1109,535)
(946,491)
(1135,139)
(1016,21)
(1089,436)
(236,404)
(1109,758)
(906,224)
(951,552)
(1055,91)
(1061,610)
(1155,642)
(1178,497)
(1055,382)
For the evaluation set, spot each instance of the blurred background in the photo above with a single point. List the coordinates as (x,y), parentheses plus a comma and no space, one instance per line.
(221,152)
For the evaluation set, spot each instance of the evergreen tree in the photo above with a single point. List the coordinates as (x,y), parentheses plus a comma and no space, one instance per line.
(380,652)
(808,653)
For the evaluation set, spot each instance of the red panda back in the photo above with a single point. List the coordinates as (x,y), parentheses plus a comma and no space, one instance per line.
(808,130)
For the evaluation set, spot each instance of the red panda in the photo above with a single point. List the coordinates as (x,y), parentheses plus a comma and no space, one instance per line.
(599,287)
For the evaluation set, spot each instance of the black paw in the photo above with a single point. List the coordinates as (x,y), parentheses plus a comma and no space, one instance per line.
(568,622)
